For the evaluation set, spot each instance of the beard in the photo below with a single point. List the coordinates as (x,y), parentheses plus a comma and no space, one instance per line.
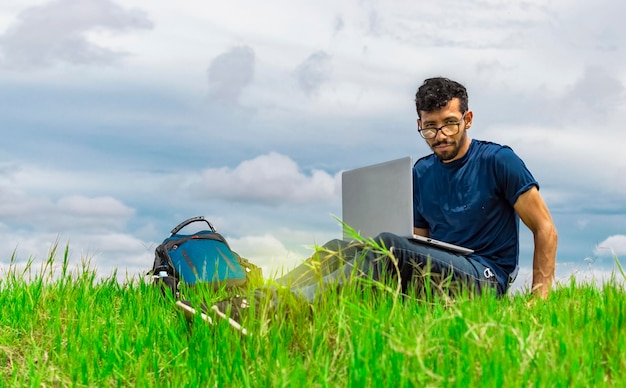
(448,155)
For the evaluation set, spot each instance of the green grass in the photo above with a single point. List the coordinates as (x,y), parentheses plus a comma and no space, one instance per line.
(65,328)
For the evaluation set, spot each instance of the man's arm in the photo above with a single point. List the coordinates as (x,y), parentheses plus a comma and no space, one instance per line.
(421,232)
(535,214)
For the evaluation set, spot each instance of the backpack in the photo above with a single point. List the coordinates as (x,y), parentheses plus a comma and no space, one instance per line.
(203,257)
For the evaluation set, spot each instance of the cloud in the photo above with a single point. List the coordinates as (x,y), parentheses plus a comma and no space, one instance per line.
(74,212)
(35,219)
(597,91)
(230,73)
(485,24)
(338,24)
(57,32)
(601,33)
(100,206)
(271,179)
(42,212)
(313,72)
(267,252)
(113,249)
(612,245)
(584,272)
(103,252)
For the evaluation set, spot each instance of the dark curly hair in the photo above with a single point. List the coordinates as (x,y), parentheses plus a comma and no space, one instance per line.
(435,93)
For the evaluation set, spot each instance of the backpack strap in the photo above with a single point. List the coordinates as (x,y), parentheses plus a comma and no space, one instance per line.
(189,221)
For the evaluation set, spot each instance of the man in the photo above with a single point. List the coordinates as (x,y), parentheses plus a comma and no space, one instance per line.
(467,192)
(471,192)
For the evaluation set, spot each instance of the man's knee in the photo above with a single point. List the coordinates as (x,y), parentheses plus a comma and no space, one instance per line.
(334,245)
(388,240)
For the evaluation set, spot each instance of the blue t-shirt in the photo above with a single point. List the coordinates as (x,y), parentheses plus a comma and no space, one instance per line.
(469,202)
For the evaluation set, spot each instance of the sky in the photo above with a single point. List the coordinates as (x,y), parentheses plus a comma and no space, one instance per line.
(122,119)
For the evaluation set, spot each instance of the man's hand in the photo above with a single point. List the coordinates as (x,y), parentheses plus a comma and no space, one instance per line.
(533,211)
(421,232)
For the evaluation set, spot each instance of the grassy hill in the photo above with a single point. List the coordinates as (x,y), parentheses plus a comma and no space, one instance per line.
(71,330)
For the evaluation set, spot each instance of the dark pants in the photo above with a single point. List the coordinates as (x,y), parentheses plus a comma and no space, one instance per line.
(415,265)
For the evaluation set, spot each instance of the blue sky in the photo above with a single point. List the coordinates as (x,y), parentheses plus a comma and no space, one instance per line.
(121,119)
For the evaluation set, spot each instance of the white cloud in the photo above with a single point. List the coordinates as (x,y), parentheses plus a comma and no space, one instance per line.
(103,253)
(112,250)
(271,179)
(563,160)
(96,227)
(73,212)
(585,272)
(266,251)
(99,207)
(612,245)
(423,24)
(230,73)
(57,32)
(78,224)
(314,71)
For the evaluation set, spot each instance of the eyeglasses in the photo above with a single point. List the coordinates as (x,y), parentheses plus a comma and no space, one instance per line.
(447,129)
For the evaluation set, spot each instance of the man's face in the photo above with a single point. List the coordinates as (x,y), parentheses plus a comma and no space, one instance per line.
(447,147)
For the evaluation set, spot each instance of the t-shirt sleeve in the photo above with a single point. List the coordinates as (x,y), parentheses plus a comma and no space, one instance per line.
(418,219)
(514,179)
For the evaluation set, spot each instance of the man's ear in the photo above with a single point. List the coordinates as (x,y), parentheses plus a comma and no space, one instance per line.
(469,116)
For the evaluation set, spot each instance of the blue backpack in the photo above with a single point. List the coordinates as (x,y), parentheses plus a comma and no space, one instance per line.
(202,257)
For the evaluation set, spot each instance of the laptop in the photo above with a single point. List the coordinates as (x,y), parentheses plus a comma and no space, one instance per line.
(379,198)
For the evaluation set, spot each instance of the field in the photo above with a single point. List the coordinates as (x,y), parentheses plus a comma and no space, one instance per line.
(63,328)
